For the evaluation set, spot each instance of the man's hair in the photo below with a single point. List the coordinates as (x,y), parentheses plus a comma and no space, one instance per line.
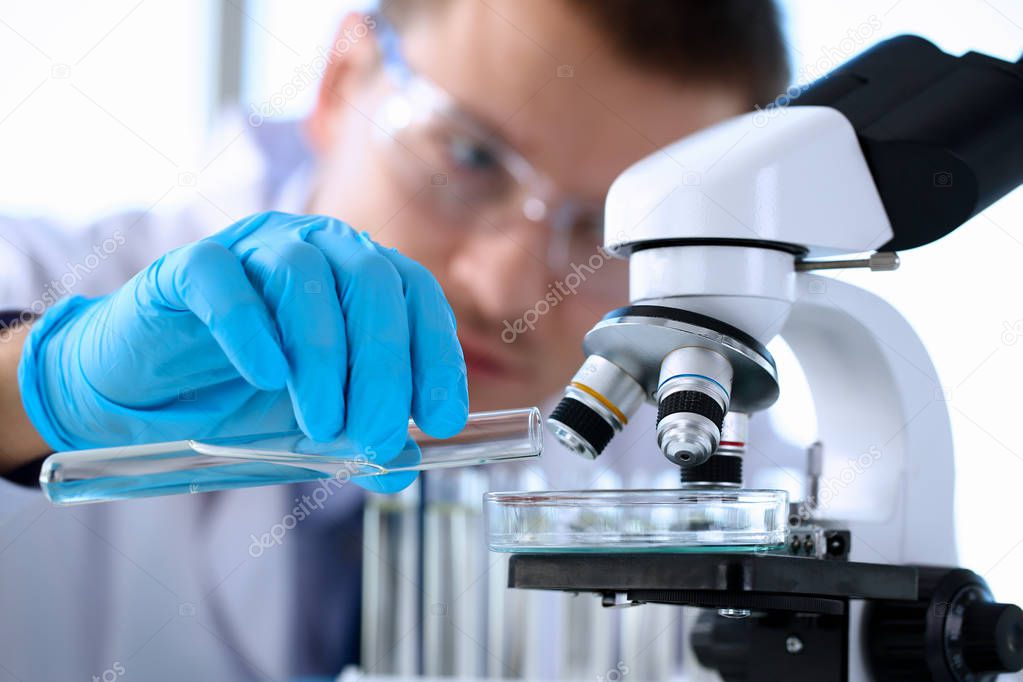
(737,43)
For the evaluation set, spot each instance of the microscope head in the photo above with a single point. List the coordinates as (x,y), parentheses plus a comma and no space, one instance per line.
(713,226)
(718,226)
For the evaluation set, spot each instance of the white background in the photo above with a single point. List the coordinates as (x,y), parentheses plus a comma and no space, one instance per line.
(105,105)
(963,294)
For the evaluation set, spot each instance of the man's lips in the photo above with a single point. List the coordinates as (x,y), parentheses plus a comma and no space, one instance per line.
(481,361)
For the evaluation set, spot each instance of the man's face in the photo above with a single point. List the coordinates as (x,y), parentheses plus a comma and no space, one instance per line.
(547,85)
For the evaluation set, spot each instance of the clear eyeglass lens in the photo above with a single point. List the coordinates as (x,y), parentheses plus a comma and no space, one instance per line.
(465,174)
(460,164)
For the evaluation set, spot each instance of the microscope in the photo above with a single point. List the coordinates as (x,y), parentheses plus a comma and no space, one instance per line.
(723,231)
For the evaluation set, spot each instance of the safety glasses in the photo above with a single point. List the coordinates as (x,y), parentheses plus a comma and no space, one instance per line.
(469,176)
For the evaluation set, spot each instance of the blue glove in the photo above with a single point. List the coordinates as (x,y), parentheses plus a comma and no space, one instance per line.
(277,321)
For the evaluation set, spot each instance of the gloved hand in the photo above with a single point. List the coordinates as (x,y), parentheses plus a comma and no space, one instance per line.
(277,321)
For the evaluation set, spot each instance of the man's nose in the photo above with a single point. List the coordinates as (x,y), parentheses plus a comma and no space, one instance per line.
(504,269)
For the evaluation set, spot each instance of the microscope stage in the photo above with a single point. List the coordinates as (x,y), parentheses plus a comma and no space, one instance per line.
(717,580)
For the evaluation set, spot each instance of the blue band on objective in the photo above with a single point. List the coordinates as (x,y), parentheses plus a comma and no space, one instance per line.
(699,376)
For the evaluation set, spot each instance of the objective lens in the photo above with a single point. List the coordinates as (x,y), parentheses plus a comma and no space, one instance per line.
(692,399)
(723,469)
(598,402)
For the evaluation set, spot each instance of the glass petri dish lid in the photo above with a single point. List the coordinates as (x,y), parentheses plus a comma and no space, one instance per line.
(690,520)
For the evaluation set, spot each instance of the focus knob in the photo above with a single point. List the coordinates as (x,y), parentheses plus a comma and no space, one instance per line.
(992,637)
(953,632)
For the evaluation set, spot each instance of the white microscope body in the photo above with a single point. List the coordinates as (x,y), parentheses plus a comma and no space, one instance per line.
(801,180)
(887,468)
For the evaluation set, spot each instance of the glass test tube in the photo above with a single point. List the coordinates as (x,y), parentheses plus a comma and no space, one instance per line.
(191,466)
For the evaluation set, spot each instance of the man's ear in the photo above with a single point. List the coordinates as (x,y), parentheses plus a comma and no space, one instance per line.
(350,58)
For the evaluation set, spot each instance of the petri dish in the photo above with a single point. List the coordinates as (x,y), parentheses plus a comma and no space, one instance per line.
(691,520)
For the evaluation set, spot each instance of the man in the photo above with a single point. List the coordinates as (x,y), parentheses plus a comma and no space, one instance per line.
(476,138)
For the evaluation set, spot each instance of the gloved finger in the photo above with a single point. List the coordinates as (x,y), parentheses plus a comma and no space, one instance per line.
(250,226)
(392,483)
(378,394)
(298,286)
(440,395)
(206,279)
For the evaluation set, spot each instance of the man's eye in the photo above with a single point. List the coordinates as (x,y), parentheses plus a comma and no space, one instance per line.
(589,228)
(471,155)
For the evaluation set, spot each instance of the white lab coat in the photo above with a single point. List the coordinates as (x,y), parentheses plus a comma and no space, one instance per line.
(167,588)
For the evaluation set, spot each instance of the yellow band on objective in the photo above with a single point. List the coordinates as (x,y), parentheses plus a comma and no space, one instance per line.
(603,401)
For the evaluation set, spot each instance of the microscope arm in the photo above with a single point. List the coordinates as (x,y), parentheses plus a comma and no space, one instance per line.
(942,135)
